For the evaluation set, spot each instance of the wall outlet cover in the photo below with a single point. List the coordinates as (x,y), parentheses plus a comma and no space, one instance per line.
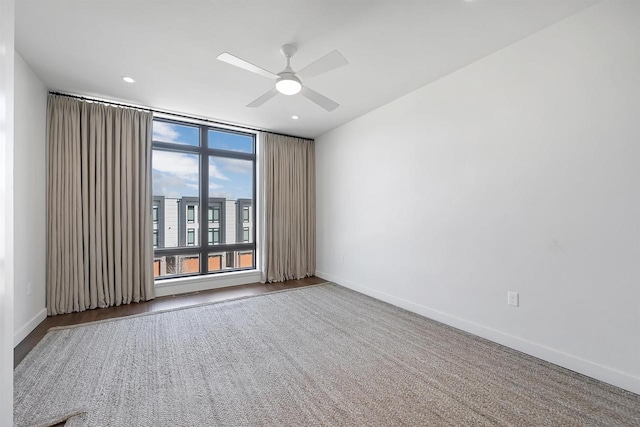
(513,299)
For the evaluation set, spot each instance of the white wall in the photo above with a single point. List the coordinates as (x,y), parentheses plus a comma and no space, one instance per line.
(30,118)
(6,211)
(519,172)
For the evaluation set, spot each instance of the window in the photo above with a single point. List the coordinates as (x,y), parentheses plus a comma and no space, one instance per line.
(214,214)
(203,191)
(214,236)
(215,263)
(245,258)
(156,268)
(155,238)
(244,229)
(191,213)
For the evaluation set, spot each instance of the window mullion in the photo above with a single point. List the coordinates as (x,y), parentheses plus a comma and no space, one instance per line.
(204,200)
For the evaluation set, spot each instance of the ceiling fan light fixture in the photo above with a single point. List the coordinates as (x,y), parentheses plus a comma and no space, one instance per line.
(288,85)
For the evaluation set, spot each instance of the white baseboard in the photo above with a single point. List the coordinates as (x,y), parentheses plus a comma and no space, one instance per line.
(574,363)
(26,329)
(204,283)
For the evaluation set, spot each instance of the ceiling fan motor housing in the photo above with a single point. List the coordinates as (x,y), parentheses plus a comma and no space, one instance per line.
(288,83)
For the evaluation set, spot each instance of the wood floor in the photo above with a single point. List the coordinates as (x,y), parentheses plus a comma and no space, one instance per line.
(158,304)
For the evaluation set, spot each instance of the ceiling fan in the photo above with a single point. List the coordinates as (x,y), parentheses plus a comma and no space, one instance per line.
(289,82)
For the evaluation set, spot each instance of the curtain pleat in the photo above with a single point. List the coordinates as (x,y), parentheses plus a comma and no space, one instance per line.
(289,191)
(99,242)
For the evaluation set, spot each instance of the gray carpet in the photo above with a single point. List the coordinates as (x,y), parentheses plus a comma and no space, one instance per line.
(320,355)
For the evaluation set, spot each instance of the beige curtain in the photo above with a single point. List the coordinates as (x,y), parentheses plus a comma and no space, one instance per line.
(289,238)
(99,240)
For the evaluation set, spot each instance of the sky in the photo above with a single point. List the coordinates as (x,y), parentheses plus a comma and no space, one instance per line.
(177,174)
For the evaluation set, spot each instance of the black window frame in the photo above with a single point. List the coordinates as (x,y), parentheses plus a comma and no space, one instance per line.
(204,248)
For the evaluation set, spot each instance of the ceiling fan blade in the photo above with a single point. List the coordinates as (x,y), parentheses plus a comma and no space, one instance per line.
(321,100)
(264,98)
(329,62)
(241,63)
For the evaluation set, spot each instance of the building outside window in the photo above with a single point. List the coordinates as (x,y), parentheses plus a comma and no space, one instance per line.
(191,213)
(214,236)
(192,163)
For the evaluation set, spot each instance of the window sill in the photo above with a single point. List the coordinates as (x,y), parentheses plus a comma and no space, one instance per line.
(182,285)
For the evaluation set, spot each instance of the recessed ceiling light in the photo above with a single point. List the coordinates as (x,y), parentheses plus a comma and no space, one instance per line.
(295,117)
(128,79)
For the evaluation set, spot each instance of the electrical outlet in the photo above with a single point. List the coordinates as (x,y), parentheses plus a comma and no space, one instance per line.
(29,288)
(513,299)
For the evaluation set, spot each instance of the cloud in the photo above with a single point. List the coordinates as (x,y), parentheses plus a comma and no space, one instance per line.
(183,164)
(165,132)
(229,195)
(176,163)
(216,190)
(236,165)
(173,186)
(215,173)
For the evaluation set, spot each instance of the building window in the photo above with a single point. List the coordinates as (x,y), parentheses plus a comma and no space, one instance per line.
(215,263)
(155,238)
(157,263)
(191,213)
(214,236)
(245,259)
(202,175)
(214,214)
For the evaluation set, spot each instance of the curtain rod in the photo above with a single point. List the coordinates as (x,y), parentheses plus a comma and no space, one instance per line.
(153,110)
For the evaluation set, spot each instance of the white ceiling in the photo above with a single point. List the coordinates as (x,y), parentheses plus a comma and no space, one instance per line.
(170,48)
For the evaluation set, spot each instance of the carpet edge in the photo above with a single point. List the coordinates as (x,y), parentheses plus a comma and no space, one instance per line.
(151,313)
